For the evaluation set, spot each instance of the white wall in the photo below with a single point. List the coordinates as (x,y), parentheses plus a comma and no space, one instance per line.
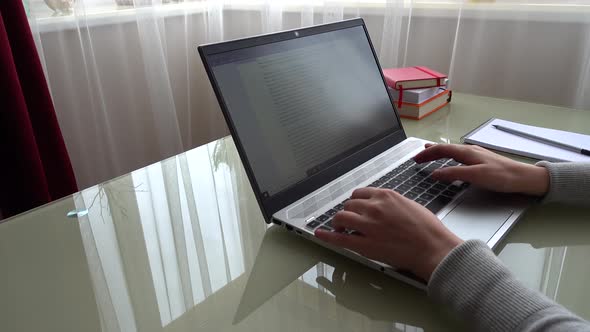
(490,59)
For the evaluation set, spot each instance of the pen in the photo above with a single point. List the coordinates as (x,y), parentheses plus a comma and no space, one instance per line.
(543,140)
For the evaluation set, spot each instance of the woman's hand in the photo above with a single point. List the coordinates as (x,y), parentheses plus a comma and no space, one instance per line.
(486,169)
(402,233)
(392,229)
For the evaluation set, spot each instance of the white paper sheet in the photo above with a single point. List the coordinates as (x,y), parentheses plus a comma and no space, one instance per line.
(496,139)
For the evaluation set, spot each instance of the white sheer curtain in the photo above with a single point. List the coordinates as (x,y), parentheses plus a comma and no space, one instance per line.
(129,87)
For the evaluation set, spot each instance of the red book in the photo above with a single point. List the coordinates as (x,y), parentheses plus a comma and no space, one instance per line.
(418,111)
(412,78)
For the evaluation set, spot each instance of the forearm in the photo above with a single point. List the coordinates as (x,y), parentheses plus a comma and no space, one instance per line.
(473,284)
(568,182)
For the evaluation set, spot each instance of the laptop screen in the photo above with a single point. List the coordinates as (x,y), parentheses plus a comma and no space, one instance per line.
(303,104)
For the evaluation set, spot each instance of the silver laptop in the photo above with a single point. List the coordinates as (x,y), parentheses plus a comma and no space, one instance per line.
(312,120)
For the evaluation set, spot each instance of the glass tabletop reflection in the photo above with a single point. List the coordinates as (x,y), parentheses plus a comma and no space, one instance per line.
(181,245)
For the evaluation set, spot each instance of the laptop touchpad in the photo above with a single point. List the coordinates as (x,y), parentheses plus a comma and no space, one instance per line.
(479,216)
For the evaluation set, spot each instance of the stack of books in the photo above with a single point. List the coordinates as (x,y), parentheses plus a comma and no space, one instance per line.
(418,91)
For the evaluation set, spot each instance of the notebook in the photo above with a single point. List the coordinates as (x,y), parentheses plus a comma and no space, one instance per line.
(425,108)
(492,138)
(413,77)
(416,96)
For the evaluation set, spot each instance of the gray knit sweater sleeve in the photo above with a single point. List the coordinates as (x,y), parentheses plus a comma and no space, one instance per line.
(568,182)
(476,286)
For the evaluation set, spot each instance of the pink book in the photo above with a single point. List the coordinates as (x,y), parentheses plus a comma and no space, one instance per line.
(417,77)
(413,78)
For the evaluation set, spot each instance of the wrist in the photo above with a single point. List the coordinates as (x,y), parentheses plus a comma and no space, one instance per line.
(436,255)
(534,180)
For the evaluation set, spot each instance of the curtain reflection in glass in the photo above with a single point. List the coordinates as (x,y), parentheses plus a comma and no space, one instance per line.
(189,218)
(104,261)
(183,274)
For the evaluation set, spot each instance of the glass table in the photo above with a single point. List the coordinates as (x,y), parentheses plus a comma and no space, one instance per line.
(181,245)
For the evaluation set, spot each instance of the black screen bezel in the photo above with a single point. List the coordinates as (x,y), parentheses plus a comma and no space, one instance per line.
(278,201)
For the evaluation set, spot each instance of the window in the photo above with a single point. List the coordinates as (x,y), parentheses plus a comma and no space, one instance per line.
(40,8)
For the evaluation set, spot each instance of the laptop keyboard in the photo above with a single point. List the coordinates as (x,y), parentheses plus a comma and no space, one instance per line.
(411,180)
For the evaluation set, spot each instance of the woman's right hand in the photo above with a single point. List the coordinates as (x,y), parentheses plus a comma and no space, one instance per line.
(486,169)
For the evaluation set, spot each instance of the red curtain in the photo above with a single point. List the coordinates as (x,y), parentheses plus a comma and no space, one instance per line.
(35,167)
